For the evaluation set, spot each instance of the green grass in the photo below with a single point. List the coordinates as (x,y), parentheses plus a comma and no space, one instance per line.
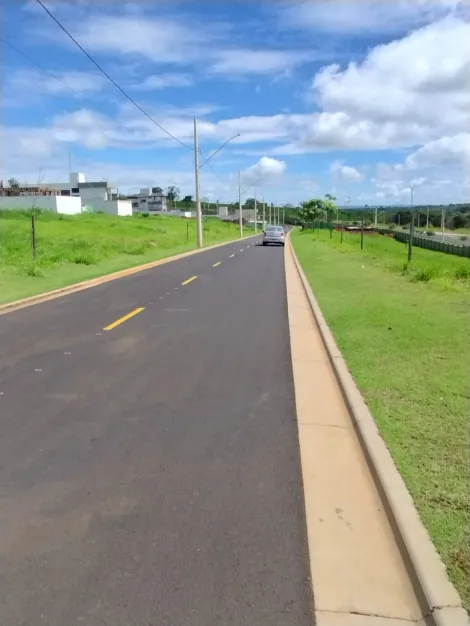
(404,332)
(75,248)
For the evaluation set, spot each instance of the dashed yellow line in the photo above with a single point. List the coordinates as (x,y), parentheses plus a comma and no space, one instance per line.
(190,280)
(217,264)
(124,319)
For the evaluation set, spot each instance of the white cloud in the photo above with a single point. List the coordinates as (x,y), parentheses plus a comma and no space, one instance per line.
(163,81)
(241,61)
(70,84)
(160,40)
(417,182)
(446,151)
(377,16)
(265,171)
(178,42)
(345,173)
(405,93)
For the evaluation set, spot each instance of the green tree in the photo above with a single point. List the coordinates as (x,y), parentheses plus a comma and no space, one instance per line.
(173,193)
(13,182)
(188,201)
(317,208)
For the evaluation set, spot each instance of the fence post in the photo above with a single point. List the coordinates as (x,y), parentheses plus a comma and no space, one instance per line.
(33,235)
(362,231)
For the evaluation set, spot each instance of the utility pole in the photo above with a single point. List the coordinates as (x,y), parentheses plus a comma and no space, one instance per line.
(427,219)
(264,214)
(376,223)
(240,217)
(283,215)
(443,221)
(256,215)
(410,240)
(270,213)
(217,205)
(198,191)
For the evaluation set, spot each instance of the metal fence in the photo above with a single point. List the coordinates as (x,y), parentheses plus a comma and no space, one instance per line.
(432,244)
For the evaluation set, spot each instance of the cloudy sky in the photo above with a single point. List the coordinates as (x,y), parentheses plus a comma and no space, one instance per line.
(359,99)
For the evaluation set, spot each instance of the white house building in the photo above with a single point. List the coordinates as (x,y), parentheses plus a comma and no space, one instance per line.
(75,196)
(149,200)
(95,196)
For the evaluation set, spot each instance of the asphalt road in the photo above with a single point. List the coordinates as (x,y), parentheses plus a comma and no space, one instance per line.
(150,474)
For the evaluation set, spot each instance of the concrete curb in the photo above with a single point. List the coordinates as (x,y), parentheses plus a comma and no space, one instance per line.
(9,307)
(440,602)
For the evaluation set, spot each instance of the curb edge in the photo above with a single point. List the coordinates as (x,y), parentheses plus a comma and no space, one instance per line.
(438,597)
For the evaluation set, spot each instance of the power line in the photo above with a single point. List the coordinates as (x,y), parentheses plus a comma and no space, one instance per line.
(124,93)
(216,175)
(41,67)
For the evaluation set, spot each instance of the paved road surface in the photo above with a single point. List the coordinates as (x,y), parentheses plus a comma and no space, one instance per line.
(150,474)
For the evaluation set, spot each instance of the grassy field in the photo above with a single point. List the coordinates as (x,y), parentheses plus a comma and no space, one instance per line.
(74,248)
(404,331)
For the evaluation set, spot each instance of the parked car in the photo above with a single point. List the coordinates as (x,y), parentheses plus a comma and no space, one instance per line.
(274,234)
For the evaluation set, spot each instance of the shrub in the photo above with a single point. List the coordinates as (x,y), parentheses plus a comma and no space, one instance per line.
(31,269)
(84,259)
(463,238)
(135,250)
(392,226)
(462,272)
(426,274)
(430,233)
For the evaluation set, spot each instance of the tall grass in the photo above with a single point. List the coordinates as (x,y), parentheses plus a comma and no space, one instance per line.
(427,266)
(75,247)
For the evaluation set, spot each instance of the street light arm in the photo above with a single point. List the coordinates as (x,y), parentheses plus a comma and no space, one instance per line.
(219,149)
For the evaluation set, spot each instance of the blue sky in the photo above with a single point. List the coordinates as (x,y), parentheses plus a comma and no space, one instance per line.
(355,99)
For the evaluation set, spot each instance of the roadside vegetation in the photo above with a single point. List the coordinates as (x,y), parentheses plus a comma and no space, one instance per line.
(404,331)
(73,248)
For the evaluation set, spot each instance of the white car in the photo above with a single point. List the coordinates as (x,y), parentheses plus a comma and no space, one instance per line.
(274,234)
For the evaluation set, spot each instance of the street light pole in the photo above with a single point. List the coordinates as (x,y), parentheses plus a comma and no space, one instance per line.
(427,219)
(240,216)
(264,214)
(198,189)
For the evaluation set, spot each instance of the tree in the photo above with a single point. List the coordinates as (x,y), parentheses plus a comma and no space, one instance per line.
(188,201)
(173,193)
(157,190)
(316,208)
(13,182)
(249,203)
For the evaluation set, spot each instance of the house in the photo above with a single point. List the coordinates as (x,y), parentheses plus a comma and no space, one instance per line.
(84,196)
(42,197)
(149,200)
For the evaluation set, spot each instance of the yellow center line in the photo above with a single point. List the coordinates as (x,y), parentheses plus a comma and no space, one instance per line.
(216,264)
(124,319)
(231,256)
(190,280)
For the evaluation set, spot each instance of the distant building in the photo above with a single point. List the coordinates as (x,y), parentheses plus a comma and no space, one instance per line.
(149,200)
(91,196)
